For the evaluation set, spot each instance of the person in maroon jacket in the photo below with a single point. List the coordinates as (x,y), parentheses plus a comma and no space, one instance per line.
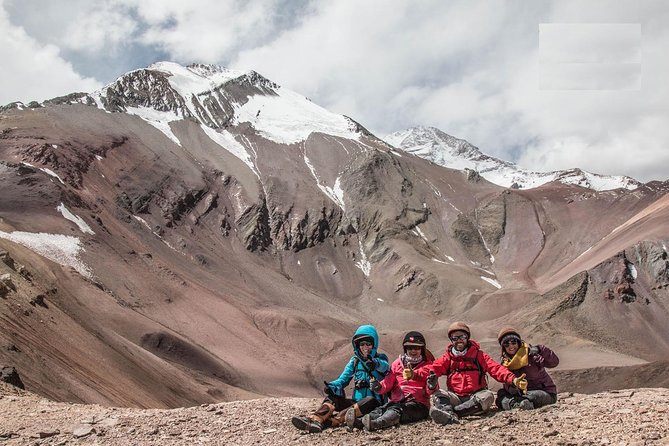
(409,393)
(529,360)
(465,365)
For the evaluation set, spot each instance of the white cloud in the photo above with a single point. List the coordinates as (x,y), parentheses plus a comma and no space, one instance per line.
(92,28)
(34,71)
(205,30)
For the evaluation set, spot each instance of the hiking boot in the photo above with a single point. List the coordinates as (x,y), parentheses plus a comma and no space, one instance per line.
(469,407)
(388,419)
(522,404)
(307,424)
(526,405)
(353,422)
(443,416)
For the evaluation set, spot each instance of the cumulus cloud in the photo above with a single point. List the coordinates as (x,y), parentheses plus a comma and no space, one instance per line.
(205,30)
(34,71)
(96,27)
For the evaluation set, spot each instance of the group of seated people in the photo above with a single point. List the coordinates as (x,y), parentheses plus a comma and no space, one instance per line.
(408,390)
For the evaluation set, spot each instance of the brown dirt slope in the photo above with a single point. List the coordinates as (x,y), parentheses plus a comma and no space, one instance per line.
(600,379)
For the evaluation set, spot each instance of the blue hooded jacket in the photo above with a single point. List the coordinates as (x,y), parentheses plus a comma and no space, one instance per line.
(356,369)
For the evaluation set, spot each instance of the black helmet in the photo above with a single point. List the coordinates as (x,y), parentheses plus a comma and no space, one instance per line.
(413,338)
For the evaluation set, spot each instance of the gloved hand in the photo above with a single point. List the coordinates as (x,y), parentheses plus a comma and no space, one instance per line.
(370,364)
(537,359)
(374,385)
(521,383)
(432,381)
(407,373)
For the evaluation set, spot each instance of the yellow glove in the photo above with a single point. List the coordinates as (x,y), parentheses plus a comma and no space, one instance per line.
(521,383)
(407,373)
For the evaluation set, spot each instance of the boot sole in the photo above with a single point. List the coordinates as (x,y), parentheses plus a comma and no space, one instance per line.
(305,425)
(442,417)
(367,423)
(350,420)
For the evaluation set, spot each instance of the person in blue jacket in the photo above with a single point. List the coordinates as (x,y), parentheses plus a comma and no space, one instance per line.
(365,363)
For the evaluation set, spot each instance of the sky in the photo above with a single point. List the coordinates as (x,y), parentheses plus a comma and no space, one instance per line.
(548,84)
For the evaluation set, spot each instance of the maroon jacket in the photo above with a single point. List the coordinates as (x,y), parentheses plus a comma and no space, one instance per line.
(535,372)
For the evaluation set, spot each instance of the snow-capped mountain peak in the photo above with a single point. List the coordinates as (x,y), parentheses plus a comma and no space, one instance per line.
(217,98)
(445,150)
(194,79)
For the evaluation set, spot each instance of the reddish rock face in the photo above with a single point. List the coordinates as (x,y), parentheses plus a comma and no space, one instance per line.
(160,264)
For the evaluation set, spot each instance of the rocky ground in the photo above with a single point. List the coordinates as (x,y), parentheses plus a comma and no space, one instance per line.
(639,417)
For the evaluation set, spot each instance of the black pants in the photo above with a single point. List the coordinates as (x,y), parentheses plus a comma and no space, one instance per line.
(507,400)
(366,405)
(409,411)
(339,402)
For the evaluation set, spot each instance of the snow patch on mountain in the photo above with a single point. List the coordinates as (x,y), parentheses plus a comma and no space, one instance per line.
(62,249)
(335,193)
(160,120)
(445,150)
(288,118)
(364,264)
(46,170)
(80,222)
(492,282)
(226,140)
(195,79)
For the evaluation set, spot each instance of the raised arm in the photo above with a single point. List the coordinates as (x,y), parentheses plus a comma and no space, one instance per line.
(544,356)
(495,369)
(387,383)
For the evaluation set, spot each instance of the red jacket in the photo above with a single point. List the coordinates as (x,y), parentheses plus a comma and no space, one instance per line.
(399,388)
(464,375)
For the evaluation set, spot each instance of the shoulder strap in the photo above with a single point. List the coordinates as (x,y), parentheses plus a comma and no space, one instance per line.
(477,364)
(482,379)
(356,361)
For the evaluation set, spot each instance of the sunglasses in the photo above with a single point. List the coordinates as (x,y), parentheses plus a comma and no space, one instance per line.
(510,341)
(365,344)
(458,338)
(413,347)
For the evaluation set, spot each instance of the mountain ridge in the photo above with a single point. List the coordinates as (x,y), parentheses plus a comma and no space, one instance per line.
(448,151)
(192,93)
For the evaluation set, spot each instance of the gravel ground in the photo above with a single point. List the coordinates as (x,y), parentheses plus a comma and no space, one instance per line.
(639,417)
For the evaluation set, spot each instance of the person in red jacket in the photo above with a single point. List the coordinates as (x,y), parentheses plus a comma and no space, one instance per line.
(531,361)
(465,365)
(409,398)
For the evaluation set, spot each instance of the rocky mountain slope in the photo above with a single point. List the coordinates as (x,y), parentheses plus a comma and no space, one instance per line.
(193,235)
(445,150)
(637,417)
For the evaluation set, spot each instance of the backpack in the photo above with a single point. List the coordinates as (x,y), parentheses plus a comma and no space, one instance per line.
(470,364)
